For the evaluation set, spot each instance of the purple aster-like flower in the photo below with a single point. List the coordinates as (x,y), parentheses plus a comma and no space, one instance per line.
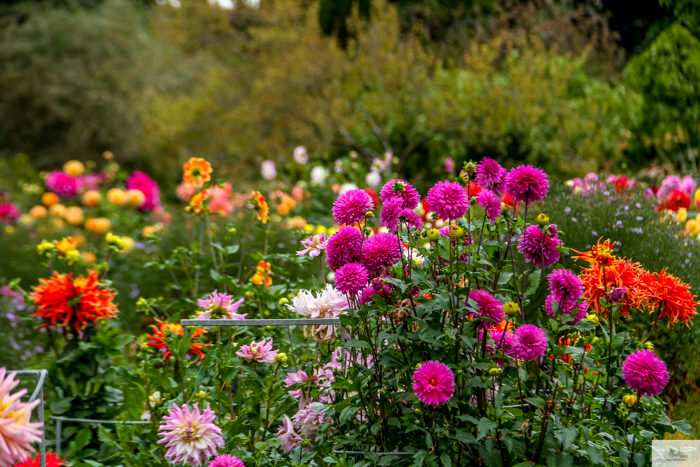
(400,189)
(220,306)
(529,342)
(448,200)
(351,278)
(433,383)
(489,307)
(617,294)
(389,217)
(490,175)
(314,245)
(491,203)
(191,436)
(566,288)
(380,251)
(350,207)
(527,184)
(644,372)
(539,247)
(343,247)
(226,460)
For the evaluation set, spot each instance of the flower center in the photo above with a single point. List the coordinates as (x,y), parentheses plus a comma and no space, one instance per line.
(190,433)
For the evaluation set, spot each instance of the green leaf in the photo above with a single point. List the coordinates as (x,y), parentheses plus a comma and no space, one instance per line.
(357,343)
(346,413)
(533,282)
(446,459)
(683,426)
(484,427)
(594,455)
(536,402)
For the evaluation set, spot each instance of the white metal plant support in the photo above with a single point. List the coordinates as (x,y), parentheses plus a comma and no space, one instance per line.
(40,376)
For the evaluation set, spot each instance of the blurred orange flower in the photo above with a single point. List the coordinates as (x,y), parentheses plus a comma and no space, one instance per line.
(261,206)
(196,171)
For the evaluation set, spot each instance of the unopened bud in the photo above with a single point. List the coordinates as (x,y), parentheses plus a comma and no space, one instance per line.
(281,357)
(511,308)
(542,219)
(249,295)
(369,215)
(456,231)
(433,235)
(283,301)
(494,371)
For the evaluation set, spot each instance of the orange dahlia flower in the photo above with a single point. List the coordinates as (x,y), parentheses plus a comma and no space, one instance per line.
(73,303)
(599,280)
(670,296)
(600,254)
(197,201)
(162,336)
(196,171)
(261,206)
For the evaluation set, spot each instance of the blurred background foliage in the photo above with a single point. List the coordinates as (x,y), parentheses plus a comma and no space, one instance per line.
(571,86)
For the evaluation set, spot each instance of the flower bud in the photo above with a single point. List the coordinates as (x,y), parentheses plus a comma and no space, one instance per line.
(456,231)
(45,246)
(281,357)
(418,365)
(594,340)
(202,394)
(433,235)
(629,399)
(419,412)
(73,257)
(470,168)
(649,345)
(542,219)
(511,308)
(369,215)
(283,301)
(494,371)
(593,318)
(460,372)
(249,295)
(305,443)
(231,229)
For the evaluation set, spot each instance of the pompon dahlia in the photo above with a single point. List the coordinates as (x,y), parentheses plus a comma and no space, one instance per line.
(501,340)
(490,175)
(351,278)
(644,372)
(73,303)
(402,190)
(163,337)
(433,383)
(412,218)
(52,460)
(389,216)
(670,296)
(448,200)
(226,460)
(527,184)
(350,207)
(540,247)
(343,247)
(220,306)
(491,203)
(380,251)
(191,436)
(62,184)
(489,307)
(566,288)
(529,342)
(17,432)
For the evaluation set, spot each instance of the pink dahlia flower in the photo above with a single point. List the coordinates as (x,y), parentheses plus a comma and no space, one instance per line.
(146,185)
(380,251)
(9,213)
(220,306)
(645,373)
(288,437)
(220,199)
(17,432)
(191,436)
(448,200)
(343,247)
(258,351)
(500,340)
(62,184)
(226,460)
(529,342)
(351,278)
(411,218)
(433,383)
(314,246)
(309,419)
(490,175)
(491,203)
(268,170)
(400,189)
(185,191)
(566,288)
(350,207)
(527,184)
(489,307)
(540,247)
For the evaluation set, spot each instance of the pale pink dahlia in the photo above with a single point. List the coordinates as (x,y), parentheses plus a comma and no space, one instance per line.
(351,206)
(288,437)
(433,383)
(258,351)
(220,306)
(17,432)
(489,307)
(529,342)
(527,184)
(491,203)
(566,288)
(490,175)
(644,372)
(380,251)
(309,419)
(226,460)
(191,436)
(540,247)
(343,247)
(448,200)
(402,190)
(314,246)
(351,278)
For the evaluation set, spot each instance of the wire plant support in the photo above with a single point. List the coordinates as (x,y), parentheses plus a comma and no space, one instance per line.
(40,376)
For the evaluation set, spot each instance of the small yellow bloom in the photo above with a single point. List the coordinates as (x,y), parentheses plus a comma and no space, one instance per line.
(128,244)
(630,399)
(9,229)
(682,214)
(692,226)
(115,241)
(593,318)
(321,229)
(74,215)
(542,219)
(281,358)
(135,198)
(45,246)
(308,228)
(74,168)
(511,308)
(91,198)
(57,210)
(117,196)
(65,245)
(38,212)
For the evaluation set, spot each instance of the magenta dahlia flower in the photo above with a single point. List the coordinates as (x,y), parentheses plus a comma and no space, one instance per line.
(433,383)
(226,460)
(527,184)
(380,251)
(645,373)
(411,217)
(389,216)
(258,351)
(220,306)
(400,189)
(501,340)
(540,247)
(489,307)
(191,436)
(529,342)
(566,288)
(448,200)
(62,184)
(350,207)
(17,432)
(491,203)
(351,278)
(9,213)
(146,185)
(490,175)
(343,247)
